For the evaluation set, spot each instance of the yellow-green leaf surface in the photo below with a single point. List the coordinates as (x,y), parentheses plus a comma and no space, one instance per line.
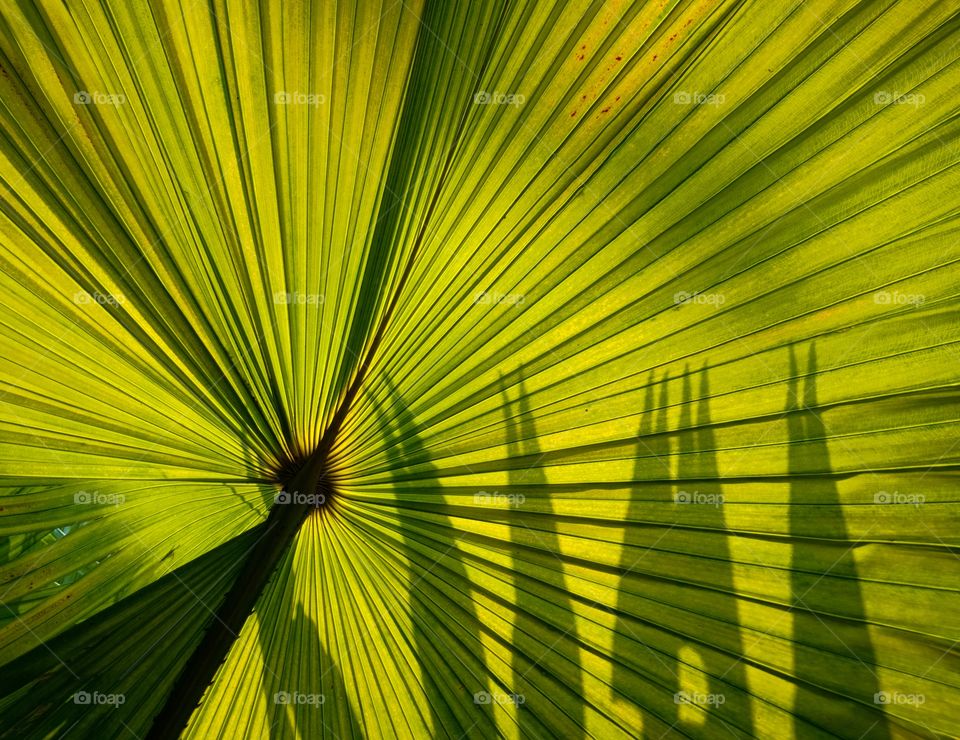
(627,333)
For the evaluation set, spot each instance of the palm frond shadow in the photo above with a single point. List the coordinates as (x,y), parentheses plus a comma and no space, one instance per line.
(318,690)
(535,538)
(828,611)
(430,549)
(701,650)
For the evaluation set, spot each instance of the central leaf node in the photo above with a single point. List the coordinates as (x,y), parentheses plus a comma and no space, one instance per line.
(304,485)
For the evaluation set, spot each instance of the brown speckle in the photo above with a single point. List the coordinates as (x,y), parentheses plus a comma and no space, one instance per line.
(573,114)
(605,110)
(619,59)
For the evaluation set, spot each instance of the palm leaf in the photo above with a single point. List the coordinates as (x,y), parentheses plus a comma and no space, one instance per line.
(620,340)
